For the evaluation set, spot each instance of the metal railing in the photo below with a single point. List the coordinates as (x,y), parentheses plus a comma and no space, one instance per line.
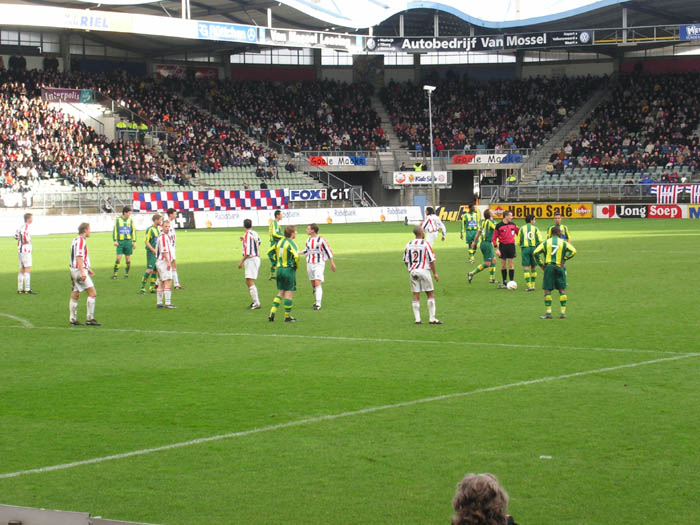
(70,202)
(605,191)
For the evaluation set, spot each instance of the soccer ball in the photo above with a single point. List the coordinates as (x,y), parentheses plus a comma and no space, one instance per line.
(512,285)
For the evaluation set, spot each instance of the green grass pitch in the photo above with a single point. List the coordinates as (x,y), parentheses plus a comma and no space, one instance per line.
(592,419)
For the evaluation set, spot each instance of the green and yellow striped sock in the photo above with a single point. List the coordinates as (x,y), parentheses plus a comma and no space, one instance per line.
(287,308)
(478,269)
(533,279)
(116,267)
(128,267)
(562,301)
(153,282)
(492,273)
(144,280)
(275,304)
(527,278)
(548,304)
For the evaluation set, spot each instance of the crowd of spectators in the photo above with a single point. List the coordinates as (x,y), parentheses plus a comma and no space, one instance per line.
(499,114)
(302,116)
(650,120)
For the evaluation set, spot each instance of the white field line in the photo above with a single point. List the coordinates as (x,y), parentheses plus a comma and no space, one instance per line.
(483,344)
(25,323)
(331,417)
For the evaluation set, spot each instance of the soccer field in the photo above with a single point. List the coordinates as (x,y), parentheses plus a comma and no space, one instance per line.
(211,414)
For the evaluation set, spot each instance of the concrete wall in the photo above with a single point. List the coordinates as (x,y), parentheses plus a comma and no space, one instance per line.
(342,74)
(576,69)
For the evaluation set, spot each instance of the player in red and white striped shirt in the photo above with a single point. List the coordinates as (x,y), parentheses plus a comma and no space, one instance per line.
(24,254)
(419,259)
(164,266)
(317,253)
(432,225)
(172,214)
(251,261)
(81,275)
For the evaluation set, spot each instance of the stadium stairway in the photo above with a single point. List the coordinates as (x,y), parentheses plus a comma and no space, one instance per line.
(394,142)
(568,128)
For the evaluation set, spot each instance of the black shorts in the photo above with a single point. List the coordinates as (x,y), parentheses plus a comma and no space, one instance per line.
(507,251)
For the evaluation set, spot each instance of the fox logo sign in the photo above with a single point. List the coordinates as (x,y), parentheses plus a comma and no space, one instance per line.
(308,195)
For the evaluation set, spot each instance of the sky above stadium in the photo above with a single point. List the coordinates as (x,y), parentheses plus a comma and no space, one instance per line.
(493,14)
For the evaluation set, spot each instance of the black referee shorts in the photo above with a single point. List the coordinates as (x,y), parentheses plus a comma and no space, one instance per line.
(507,251)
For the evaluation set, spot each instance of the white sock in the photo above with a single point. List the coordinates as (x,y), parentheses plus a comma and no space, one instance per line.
(167,293)
(27,278)
(254,294)
(73,309)
(20,282)
(431,309)
(176,281)
(318,294)
(416,311)
(159,297)
(91,308)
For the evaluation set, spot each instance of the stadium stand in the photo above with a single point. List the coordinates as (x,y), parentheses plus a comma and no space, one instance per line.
(647,131)
(500,114)
(313,116)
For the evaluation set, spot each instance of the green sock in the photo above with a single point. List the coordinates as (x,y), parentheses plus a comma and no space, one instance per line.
(116,267)
(533,278)
(562,302)
(548,303)
(144,280)
(287,308)
(527,279)
(128,267)
(153,281)
(478,269)
(492,273)
(275,304)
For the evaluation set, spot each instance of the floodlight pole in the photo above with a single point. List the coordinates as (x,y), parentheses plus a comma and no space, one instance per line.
(432,158)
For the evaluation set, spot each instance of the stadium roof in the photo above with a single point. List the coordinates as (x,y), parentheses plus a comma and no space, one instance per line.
(456,17)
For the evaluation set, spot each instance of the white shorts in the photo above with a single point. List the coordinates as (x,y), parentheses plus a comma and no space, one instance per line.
(25,260)
(163,273)
(430,237)
(421,281)
(315,271)
(251,267)
(80,286)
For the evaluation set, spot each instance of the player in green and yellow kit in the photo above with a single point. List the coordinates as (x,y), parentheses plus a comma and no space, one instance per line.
(275,231)
(287,261)
(563,229)
(528,238)
(152,234)
(470,227)
(552,255)
(485,233)
(124,237)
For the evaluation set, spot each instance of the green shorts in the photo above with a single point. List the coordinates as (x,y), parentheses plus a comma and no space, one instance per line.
(125,248)
(150,260)
(554,278)
(471,235)
(528,257)
(487,250)
(287,279)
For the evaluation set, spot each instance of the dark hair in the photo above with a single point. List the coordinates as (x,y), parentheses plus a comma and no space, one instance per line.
(126,209)
(429,210)
(487,214)
(557,213)
(556,231)
(171,210)
(529,217)
(84,226)
(480,500)
(288,230)
(278,212)
(314,227)
(247,224)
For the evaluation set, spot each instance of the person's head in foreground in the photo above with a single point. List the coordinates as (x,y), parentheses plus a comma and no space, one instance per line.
(480,500)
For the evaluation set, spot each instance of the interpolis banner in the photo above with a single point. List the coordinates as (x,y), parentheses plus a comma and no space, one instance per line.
(479,43)
(568,210)
(71,96)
